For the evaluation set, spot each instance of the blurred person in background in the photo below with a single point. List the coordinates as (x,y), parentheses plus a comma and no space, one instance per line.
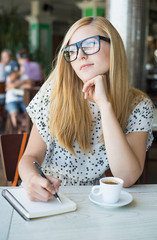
(2,80)
(14,101)
(29,68)
(2,92)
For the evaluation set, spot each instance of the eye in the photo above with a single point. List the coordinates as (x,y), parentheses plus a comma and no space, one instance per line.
(66,54)
(71,52)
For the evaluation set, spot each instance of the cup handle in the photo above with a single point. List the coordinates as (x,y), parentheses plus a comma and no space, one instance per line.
(96,190)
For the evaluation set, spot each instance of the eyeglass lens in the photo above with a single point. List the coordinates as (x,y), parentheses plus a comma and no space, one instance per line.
(88,46)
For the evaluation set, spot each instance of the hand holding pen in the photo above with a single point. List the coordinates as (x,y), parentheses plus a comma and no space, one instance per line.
(42,174)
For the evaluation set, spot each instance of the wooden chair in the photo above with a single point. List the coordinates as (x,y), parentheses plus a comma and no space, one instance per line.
(149,159)
(12,147)
(2,87)
(21,124)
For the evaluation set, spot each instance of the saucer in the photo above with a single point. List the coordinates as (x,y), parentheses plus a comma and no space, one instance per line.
(125,198)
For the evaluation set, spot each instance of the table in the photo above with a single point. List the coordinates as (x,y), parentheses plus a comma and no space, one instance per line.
(138,220)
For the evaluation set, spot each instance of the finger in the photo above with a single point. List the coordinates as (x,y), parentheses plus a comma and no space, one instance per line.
(87,85)
(46,184)
(89,92)
(86,95)
(38,193)
(40,197)
(41,189)
(86,91)
(33,198)
(55,181)
(45,195)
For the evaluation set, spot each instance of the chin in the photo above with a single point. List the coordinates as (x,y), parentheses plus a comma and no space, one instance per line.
(84,80)
(88,76)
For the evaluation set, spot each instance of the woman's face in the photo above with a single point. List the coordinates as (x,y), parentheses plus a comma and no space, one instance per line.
(89,66)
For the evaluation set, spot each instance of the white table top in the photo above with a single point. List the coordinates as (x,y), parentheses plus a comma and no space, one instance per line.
(138,220)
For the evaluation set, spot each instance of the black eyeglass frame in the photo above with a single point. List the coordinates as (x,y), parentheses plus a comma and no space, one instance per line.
(79,45)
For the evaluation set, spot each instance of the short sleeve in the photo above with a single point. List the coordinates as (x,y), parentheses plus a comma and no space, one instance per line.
(38,110)
(141,119)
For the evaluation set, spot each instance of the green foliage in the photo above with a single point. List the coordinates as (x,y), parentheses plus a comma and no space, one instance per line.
(13,30)
(14,35)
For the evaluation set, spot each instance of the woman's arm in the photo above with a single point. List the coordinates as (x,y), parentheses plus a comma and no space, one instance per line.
(37,187)
(126,154)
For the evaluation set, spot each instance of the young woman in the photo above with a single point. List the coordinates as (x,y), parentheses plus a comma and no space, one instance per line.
(86,117)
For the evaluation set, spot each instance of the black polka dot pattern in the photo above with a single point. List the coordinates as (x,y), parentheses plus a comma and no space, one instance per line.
(82,169)
(141,119)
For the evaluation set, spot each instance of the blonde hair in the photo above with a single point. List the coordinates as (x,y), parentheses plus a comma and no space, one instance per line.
(70,116)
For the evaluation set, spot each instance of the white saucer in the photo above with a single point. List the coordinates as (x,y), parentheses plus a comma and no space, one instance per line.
(125,198)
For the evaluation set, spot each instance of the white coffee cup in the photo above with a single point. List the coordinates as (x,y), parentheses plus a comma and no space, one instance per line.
(110,188)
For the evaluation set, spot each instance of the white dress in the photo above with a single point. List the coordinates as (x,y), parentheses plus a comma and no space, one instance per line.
(83,169)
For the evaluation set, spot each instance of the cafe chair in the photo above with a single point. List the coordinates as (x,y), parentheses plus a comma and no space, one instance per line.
(21,124)
(150,158)
(12,147)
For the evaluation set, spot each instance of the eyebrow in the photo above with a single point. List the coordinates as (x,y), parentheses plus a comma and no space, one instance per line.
(107,39)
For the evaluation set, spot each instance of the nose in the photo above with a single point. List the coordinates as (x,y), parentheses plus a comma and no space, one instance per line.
(81,55)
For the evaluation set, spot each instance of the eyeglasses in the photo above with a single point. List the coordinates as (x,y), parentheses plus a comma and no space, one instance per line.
(88,46)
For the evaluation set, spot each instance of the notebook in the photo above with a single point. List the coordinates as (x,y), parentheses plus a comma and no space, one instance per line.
(19,200)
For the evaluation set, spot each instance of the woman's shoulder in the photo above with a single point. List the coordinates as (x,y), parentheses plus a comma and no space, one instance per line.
(47,85)
(141,107)
(141,115)
(139,99)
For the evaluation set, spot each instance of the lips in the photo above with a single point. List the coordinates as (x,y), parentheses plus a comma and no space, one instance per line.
(85,66)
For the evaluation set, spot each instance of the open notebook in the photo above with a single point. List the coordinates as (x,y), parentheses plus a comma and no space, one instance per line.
(18,198)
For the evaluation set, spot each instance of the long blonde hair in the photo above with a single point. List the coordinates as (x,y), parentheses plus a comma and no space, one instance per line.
(70,116)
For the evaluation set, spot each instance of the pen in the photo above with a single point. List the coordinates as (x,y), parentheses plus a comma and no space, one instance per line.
(42,174)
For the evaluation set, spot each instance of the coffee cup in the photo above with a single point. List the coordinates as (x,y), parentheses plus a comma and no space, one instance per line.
(110,189)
